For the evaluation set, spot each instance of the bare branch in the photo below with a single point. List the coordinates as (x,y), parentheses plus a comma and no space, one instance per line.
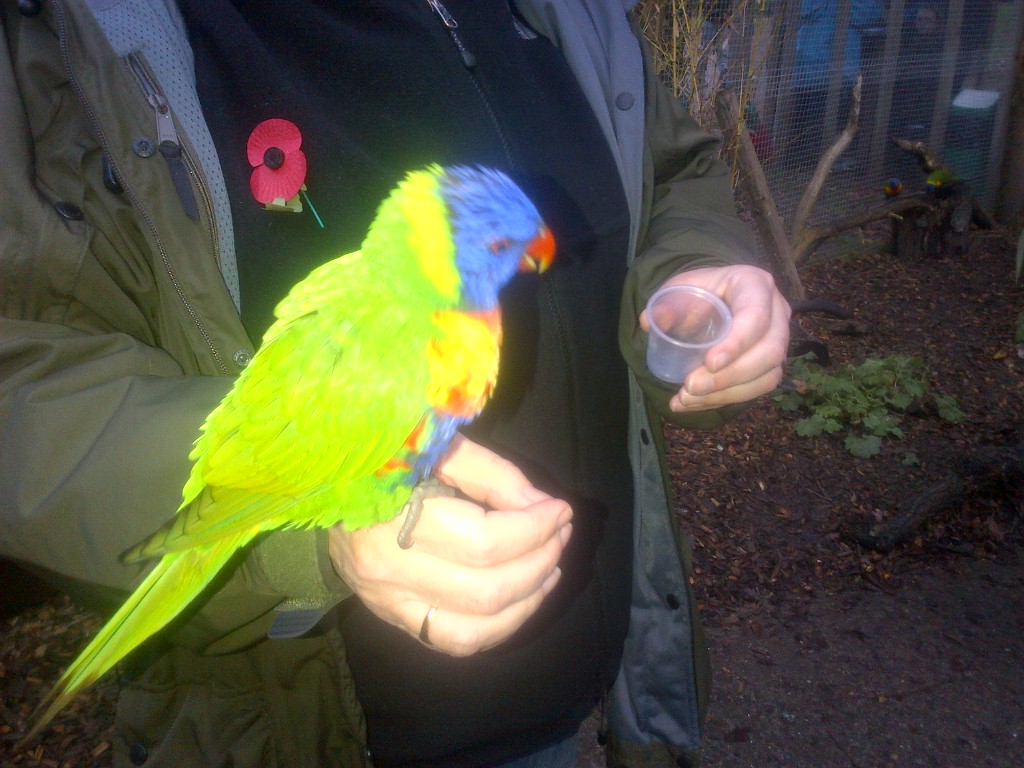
(810,196)
(768,221)
(811,237)
(927,159)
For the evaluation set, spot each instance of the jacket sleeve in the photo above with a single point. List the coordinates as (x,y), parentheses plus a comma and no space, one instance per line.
(95,432)
(97,419)
(689,221)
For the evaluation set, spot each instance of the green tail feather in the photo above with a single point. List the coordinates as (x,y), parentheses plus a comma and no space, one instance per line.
(175,581)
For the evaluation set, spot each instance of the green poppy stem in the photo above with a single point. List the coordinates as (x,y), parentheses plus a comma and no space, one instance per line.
(313,209)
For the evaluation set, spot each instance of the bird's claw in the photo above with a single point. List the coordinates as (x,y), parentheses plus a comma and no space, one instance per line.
(430,488)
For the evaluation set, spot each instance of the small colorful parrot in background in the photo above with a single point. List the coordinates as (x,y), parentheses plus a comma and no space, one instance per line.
(942,182)
(893,187)
(374,361)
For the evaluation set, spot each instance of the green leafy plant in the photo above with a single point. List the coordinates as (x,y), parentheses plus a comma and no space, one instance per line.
(865,401)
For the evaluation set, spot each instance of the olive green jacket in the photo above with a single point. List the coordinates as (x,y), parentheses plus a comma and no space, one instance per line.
(119,333)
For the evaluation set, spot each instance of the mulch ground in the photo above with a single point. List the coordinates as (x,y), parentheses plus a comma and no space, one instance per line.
(830,654)
(770,513)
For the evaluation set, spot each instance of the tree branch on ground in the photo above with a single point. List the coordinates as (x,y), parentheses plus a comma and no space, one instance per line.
(989,471)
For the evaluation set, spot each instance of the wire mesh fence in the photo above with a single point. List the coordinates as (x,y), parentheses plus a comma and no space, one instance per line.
(936,71)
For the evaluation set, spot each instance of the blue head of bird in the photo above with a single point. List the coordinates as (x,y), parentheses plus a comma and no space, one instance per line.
(496,232)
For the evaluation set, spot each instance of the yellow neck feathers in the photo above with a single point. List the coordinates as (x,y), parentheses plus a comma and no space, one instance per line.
(429,232)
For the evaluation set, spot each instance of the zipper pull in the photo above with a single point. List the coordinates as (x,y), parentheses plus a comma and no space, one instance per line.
(468,59)
(165,130)
(167,142)
(170,148)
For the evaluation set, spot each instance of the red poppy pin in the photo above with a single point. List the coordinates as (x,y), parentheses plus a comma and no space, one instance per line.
(279,166)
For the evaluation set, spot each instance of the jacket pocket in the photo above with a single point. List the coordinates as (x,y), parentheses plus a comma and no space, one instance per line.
(278,703)
(191,725)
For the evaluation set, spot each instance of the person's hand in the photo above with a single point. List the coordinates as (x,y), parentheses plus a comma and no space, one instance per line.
(748,362)
(485,567)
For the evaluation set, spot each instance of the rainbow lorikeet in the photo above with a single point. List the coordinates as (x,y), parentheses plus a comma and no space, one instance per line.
(942,182)
(374,361)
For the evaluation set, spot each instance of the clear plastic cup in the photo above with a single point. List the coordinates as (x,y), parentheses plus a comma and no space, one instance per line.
(685,321)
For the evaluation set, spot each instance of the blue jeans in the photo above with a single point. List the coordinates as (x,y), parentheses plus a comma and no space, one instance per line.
(559,755)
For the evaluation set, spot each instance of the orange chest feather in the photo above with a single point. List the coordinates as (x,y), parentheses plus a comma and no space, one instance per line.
(463,361)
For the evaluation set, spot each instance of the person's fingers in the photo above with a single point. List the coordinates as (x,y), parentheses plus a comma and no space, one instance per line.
(486,568)
(379,571)
(489,570)
(759,366)
(748,362)
(465,533)
(760,322)
(741,393)
(460,634)
(485,476)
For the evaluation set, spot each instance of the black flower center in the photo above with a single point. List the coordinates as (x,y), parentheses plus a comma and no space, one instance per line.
(273,158)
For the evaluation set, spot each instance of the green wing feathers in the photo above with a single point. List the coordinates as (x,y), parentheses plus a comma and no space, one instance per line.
(216,514)
(333,376)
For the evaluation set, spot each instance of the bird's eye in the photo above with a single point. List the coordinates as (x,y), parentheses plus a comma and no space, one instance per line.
(499,245)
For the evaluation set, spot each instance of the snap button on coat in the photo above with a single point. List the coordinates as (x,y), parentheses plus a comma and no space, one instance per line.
(144,146)
(110,180)
(138,754)
(68,211)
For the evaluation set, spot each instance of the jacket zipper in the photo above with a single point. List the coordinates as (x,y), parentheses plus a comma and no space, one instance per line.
(167,138)
(469,61)
(180,163)
(59,12)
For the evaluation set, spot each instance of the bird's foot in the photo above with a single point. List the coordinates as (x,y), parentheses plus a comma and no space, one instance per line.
(430,488)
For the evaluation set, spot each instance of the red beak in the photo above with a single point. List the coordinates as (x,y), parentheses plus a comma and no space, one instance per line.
(539,253)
